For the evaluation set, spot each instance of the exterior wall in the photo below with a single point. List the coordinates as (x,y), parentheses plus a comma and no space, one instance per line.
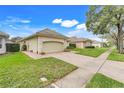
(80,45)
(3,49)
(87,43)
(21,44)
(50,47)
(83,44)
(67,43)
(36,44)
(31,44)
(96,45)
(45,39)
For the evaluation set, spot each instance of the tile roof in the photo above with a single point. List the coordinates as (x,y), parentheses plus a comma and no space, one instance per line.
(47,33)
(75,39)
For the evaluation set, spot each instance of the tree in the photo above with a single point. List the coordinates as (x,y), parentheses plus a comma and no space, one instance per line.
(102,19)
(103,37)
(112,37)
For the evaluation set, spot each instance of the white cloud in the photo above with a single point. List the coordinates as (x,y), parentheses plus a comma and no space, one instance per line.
(13,27)
(69,23)
(81,26)
(57,21)
(11,19)
(65,23)
(25,21)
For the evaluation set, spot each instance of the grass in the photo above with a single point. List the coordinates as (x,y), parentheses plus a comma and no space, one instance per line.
(115,56)
(102,81)
(93,52)
(20,71)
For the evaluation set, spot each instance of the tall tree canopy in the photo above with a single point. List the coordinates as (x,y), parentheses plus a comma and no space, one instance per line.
(106,19)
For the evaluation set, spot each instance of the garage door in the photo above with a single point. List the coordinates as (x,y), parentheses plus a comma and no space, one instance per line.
(49,47)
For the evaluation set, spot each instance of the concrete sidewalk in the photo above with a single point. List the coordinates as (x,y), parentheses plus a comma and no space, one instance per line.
(87,67)
(114,70)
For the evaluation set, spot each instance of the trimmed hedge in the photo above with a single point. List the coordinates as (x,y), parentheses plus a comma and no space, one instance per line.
(12,47)
(90,47)
(71,46)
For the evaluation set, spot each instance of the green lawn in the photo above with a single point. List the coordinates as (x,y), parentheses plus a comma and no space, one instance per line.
(116,56)
(93,52)
(18,70)
(101,81)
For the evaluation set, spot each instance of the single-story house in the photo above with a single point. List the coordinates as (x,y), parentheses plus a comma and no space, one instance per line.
(80,42)
(3,39)
(15,39)
(96,44)
(45,41)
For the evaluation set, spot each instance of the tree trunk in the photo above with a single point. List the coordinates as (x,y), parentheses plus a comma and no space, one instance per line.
(117,45)
(120,40)
(121,45)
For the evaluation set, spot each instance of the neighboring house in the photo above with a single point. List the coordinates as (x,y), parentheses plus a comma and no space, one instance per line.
(3,39)
(45,41)
(80,42)
(96,44)
(8,41)
(15,39)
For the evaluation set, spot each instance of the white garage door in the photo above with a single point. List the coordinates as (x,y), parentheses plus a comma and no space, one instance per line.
(49,47)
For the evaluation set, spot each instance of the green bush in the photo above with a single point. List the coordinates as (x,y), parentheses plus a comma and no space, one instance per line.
(71,46)
(90,47)
(12,47)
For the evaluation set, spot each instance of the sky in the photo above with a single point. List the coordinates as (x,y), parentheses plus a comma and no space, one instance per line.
(25,20)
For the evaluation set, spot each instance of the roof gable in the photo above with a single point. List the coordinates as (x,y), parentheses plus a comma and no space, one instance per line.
(47,33)
(50,33)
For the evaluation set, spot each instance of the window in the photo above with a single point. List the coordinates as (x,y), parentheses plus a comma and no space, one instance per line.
(0,43)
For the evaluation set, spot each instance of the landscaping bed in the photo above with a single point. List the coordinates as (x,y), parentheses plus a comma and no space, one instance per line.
(93,52)
(20,71)
(102,81)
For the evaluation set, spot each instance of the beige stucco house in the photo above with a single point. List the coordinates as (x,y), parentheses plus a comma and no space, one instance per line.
(45,41)
(80,42)
(3,40)
(96,44)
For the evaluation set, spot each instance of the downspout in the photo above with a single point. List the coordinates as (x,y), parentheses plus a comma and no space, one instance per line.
(37,44)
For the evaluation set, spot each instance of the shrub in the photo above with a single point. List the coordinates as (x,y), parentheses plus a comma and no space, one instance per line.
(90,47)
(12,47)
(24,48)
(71,46)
